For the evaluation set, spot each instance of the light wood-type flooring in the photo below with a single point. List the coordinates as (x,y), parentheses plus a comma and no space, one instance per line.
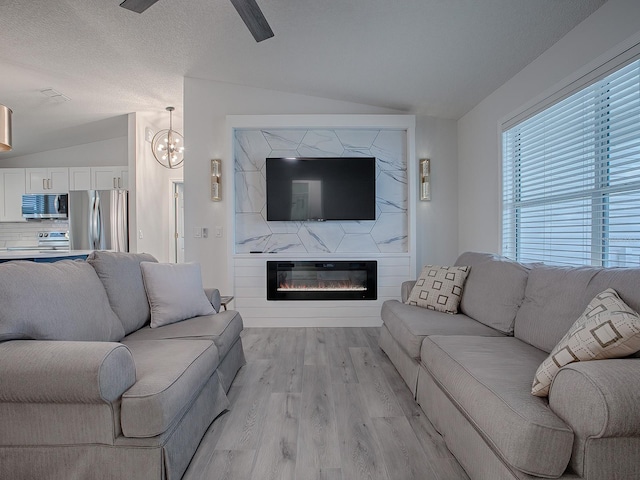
(325,404)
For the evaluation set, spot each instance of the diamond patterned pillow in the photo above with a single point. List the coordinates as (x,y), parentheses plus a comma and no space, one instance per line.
(439,288)
(608,328)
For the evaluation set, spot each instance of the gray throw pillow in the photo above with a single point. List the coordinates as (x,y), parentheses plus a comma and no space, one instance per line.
(439,288)
(175,292)
(63,300)
(122,279)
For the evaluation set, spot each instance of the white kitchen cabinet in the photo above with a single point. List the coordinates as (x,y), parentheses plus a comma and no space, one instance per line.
(13,187)
(109,178)
(47,180)
(79,178)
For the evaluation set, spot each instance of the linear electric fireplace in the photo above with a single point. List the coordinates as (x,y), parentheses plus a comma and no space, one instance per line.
(321,280)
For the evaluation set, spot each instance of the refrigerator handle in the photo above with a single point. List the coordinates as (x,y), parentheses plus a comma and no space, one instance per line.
(92,221)
(98,224)
(93,239)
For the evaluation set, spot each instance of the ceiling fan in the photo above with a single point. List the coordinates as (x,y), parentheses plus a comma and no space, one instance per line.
(249,11)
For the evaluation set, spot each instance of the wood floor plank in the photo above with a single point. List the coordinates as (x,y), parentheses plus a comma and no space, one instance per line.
(380,399)
(290,361)
(401,451)
(261,372)
(359,448)
(315,352)
(355,337)
(336,337)
(318,444)
(274,342)
(230,464)
(276,457)
(331,474)
(341,366)
(365,363)
(356,418)
(246,418)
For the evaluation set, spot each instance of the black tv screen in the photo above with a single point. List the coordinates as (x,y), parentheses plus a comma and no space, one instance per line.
(301,189)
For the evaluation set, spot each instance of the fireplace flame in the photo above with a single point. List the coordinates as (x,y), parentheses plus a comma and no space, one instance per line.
(321,286)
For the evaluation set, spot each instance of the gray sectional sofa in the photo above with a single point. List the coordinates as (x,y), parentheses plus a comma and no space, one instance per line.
(88,390)
(472,373)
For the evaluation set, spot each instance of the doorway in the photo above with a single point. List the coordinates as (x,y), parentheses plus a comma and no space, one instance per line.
(178,222)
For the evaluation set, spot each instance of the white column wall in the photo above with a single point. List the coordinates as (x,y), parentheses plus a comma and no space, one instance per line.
(206,106)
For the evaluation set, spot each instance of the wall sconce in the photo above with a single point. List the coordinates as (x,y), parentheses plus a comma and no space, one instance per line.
(5,128)
(216,166)
(425,179)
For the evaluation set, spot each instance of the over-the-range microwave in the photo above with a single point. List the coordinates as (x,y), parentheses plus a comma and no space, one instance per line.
(45,205)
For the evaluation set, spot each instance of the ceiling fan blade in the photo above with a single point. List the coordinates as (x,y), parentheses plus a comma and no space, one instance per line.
(137,6)
(253,18)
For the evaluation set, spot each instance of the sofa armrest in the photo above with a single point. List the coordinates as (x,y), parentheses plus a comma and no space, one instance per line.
(34,371)
(599,398)
(405,290)
(213,294)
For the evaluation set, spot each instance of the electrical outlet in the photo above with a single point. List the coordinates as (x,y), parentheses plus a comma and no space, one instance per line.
(205,232)
(140,235)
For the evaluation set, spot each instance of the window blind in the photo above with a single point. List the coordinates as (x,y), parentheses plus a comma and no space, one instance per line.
(571,178)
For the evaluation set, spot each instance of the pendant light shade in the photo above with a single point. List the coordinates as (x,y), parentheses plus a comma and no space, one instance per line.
(168,145)
(5,128)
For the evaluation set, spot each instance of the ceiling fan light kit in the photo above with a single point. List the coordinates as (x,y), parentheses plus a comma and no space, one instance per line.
(5,128)
(168,145)
(248,10)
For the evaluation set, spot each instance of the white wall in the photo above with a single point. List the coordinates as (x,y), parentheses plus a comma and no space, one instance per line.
(206,105)
(95,154)
(437,227)
(153,191)
(603,35)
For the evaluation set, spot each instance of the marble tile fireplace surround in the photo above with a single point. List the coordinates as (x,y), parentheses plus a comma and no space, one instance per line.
(306,248)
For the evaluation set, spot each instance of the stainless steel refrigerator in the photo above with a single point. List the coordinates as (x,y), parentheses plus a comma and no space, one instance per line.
(99,220)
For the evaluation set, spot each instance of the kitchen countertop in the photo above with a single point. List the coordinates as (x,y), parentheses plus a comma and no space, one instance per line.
(29,254)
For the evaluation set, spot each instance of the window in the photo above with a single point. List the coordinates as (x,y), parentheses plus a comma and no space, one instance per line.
(571,178)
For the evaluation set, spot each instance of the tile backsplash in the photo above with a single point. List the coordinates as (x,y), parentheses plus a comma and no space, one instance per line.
(25,234)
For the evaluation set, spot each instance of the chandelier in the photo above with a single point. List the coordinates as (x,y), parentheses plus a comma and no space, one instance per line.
(168,145)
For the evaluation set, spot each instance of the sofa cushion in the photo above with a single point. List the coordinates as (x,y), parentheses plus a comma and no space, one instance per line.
(607,328)
(222,328)
(63,300)
(175,292)
(556,296)
(122,279)
(494,290)
(489,380)
(439,288)
(170,375)
(409,325)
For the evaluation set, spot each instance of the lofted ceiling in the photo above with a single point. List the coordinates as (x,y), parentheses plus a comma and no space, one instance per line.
(432,57)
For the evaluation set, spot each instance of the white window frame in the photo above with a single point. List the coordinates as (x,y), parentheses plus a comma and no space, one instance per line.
(599,256)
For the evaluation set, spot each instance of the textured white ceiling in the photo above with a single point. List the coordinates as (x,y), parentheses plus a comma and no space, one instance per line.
(434,57)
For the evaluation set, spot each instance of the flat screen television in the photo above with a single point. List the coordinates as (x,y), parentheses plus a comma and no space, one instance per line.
(308,189)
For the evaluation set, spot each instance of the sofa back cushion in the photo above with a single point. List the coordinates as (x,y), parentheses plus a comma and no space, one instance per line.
(556,296)
(64,300)
(494,290)
(122,279)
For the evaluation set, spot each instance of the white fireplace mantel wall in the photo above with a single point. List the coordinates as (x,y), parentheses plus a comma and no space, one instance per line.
(390,239)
